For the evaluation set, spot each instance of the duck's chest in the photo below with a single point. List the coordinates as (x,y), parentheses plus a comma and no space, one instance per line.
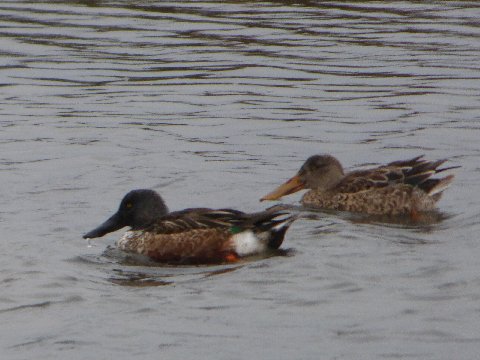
(133,241)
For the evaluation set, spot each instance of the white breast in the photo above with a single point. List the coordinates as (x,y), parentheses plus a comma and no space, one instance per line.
(132,241)
(246,243)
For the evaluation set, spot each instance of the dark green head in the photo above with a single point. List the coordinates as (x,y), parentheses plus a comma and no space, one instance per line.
(138,209)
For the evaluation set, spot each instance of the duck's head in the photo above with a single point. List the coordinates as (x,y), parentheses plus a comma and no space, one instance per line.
(318,172)
(139,208)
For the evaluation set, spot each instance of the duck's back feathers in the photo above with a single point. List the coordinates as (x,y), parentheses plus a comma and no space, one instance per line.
(193,219)
(203,218)
(413,172)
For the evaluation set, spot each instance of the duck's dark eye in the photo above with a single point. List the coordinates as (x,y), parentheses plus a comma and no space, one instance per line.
(128,205)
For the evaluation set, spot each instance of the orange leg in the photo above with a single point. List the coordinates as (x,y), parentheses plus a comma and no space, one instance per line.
(231,257)
(415,215)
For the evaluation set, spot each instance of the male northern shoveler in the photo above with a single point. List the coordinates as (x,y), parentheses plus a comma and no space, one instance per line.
(398,188)
(197,235)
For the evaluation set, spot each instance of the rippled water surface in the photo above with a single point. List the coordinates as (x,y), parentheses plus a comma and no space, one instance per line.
(214,104)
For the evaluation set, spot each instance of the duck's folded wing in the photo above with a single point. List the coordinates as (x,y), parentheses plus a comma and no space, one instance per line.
(367,179)
(201,218)
(415,172)
(196,218)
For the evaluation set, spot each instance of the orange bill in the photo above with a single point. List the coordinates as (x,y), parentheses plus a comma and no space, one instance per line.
(293,185)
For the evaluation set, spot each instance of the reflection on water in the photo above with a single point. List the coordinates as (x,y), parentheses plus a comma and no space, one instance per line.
(140,279)
(423,222)
(211,104)
(137,270)
(137,280)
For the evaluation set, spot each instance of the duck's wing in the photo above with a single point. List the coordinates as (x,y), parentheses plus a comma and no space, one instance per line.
(415,172)
(361,180)
(202,218)
(195,218)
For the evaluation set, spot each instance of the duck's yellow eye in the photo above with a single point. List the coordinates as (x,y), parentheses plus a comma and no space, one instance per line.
(129,205)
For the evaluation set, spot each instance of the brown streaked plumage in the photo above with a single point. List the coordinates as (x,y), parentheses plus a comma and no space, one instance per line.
(196,235)
(403,187)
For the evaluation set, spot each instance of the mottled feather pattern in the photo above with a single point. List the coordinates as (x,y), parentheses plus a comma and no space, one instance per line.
(394,200)
(414,172)
(359,180)
(196,218)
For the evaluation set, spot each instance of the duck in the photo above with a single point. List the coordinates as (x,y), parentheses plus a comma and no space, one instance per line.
(405,187)
(193,235)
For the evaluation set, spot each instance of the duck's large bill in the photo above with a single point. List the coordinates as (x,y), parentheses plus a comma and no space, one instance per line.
(114,223)
(291,186)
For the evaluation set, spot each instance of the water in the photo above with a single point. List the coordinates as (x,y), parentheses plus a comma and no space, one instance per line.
(214,104)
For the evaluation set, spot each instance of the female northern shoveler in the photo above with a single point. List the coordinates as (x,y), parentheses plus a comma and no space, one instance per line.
(398,188)
(195,235)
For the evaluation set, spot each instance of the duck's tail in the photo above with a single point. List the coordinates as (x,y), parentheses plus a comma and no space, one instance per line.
(272,225)
(435,187)
(419,172)
(277,233)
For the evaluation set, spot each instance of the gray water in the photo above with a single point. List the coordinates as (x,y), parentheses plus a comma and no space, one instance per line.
(214,104)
